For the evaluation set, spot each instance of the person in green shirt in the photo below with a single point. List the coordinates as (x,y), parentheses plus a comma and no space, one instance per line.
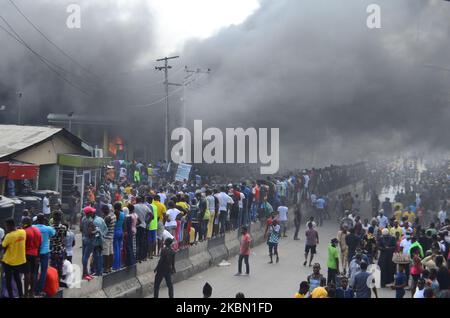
(333,262)
(415,244)
(152,228)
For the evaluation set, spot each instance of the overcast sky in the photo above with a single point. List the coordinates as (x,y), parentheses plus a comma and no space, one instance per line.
(179,20)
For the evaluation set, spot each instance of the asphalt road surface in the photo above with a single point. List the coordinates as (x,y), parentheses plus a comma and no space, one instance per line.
(265,280)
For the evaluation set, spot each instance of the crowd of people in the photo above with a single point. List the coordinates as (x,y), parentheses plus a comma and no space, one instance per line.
(407,243)
(132,217)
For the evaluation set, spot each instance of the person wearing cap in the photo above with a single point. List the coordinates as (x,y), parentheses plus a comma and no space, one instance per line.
(332,262)
(165,269)
(88,232)
(387,245)
(207,291)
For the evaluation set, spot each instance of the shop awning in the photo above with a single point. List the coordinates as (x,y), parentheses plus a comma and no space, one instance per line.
(4,168)
(82,161)
(18,171)
(22,172)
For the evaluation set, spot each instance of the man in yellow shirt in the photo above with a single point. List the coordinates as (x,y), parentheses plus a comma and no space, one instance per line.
(396,229)
(398,214)
(410,215)
(14,258)
(161,207)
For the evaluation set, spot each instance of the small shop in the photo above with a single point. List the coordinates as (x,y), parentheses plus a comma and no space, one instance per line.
(17,178)
(80,171)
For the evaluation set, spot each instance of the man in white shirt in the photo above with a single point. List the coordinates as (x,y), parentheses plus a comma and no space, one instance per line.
(405,244)
(172,213)
(382,220)
(442,216)
(142,212)
(46,205)
(162,196)
(224,201)
(283,217)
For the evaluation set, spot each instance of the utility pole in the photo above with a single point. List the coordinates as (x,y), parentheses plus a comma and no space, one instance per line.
(166,68)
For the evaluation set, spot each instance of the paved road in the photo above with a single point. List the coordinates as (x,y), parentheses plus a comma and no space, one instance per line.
(266,280)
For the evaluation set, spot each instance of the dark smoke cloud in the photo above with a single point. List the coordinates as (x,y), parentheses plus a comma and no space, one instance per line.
(338,91)
(114,43)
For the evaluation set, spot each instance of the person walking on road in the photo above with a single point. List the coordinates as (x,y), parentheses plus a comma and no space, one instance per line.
(274,237)
(283,216)
(165,268)
(244,252)
(297,220)
(341,235)
(312,240)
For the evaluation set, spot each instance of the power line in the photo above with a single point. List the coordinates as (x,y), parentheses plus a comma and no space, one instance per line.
(51,42)
(44,60)
(159,100)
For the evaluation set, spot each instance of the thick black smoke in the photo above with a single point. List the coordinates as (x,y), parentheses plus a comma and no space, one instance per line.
(337,90)
(114,47)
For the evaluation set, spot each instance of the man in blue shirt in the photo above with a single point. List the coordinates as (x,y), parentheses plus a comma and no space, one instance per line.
(344,291)
(320,206)
(46,232)
(362,282)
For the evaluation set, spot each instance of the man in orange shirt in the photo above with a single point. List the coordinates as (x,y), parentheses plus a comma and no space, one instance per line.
(14,258)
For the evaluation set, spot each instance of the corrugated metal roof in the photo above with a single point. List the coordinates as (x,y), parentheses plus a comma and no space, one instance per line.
(14,138)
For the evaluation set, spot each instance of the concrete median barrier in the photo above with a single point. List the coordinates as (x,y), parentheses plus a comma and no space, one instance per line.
(232,243)
(87,289)
(146,276)
(183,266)
(257,234)
(200,257)
(217,250)
(122,283)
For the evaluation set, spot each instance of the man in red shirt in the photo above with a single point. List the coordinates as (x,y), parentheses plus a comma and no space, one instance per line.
(244,252)
(32,246)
